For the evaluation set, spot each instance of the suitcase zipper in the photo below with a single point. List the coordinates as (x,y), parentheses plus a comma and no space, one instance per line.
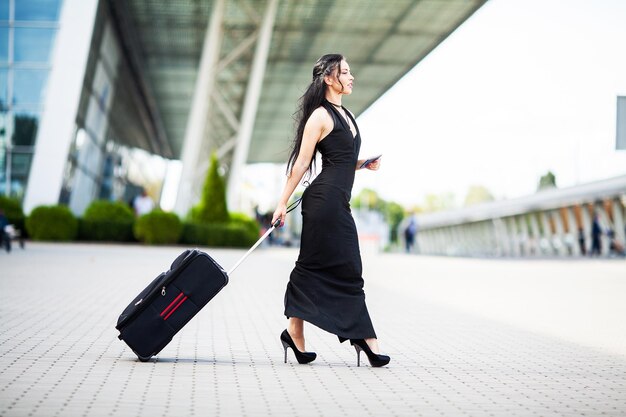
(150,296)
(178,304)
(167,309)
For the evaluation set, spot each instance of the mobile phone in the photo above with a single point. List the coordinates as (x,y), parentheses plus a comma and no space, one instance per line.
(369,161)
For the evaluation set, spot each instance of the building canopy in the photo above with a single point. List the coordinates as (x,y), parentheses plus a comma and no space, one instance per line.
(163,41)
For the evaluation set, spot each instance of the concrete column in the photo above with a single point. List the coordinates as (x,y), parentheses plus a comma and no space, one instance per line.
(65,83)
(546,238)
(251,104)
(558,238)
(498,239)
(424,239)
(200,108)
(573,230)
(618,220)
(460,241)
(535,233)
(513,236)
(524,243)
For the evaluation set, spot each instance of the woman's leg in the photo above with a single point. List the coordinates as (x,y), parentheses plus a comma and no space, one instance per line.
(373,344)
(296,331)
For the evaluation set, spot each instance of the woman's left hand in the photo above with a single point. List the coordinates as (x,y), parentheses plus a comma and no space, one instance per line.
(373,166)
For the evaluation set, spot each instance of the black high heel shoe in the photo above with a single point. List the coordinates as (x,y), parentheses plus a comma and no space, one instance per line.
(302,357)
(375,359)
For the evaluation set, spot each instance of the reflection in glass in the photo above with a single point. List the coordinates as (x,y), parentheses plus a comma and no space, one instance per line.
(25,129)
(4,9)
(28,86)
(3,89)
(20,164)
(4,44)
(37,9)
(33,44)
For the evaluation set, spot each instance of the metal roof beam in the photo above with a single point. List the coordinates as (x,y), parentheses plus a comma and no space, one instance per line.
(251,103)
(200,108)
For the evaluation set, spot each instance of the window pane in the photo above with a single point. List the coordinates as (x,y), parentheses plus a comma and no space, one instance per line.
(4,44)
(28,86)
(37,9)
(25,129)
(3,89)
(4,122)
(4,9)
(20,168)
(33,44)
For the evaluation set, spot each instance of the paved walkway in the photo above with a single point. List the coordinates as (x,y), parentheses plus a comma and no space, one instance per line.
(467,338)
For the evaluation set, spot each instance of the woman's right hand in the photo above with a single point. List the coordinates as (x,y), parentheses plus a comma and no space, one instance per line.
(279,214)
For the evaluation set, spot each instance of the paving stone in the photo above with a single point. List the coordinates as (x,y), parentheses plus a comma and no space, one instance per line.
(467,337)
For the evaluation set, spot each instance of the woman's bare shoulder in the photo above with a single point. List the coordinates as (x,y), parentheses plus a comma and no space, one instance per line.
(321,118)
(321,113)
(320,121)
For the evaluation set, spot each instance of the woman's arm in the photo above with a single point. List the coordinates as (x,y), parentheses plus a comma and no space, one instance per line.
(372,166)
(315,129)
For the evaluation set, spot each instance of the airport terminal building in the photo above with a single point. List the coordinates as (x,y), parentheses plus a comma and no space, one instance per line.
(99,96)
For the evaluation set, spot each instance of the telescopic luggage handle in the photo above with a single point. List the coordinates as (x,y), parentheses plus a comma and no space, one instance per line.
(291,207)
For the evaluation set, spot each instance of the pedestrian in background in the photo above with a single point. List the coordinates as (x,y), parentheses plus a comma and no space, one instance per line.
(596,233)
(5,238)
(143,204)
(409,235)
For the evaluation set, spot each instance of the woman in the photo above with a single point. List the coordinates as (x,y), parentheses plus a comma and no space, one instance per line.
(325,287)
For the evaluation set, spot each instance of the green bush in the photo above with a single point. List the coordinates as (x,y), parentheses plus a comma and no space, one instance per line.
(107,221)
(13,211)
(218,235)
(105,210)
(195,234)
(158,227)
(212,206)
(231,236)
(55,223)
(246,221)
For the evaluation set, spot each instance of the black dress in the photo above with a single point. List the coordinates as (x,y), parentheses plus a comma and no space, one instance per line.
(325,287)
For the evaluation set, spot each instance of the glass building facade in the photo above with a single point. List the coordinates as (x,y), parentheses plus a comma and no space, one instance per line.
(27,32)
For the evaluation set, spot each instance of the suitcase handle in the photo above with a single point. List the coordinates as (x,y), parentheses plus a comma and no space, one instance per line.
(291,207)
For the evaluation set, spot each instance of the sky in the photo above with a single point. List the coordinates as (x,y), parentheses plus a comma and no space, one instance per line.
(521,88)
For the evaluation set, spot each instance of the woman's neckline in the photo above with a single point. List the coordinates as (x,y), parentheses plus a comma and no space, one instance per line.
(336,105)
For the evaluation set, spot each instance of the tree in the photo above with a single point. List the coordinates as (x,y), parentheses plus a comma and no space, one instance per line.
(212,207)
(547,181)
(438,202)
(477,194)
(369,199)
(393,212)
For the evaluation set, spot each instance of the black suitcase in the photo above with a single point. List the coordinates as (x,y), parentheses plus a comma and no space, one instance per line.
(172,299)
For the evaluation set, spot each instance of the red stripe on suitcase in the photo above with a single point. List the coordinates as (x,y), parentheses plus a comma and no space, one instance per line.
(164,312)
(175,308)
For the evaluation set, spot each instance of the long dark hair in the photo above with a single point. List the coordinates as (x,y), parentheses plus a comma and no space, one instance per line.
(312,98)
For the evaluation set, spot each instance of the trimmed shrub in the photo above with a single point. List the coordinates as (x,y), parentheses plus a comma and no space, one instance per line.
(107,221)
(195,234)
(13,211)
(245,221)
(231,236)
(212,207)
(158,227)
(56,223)
(218,235)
